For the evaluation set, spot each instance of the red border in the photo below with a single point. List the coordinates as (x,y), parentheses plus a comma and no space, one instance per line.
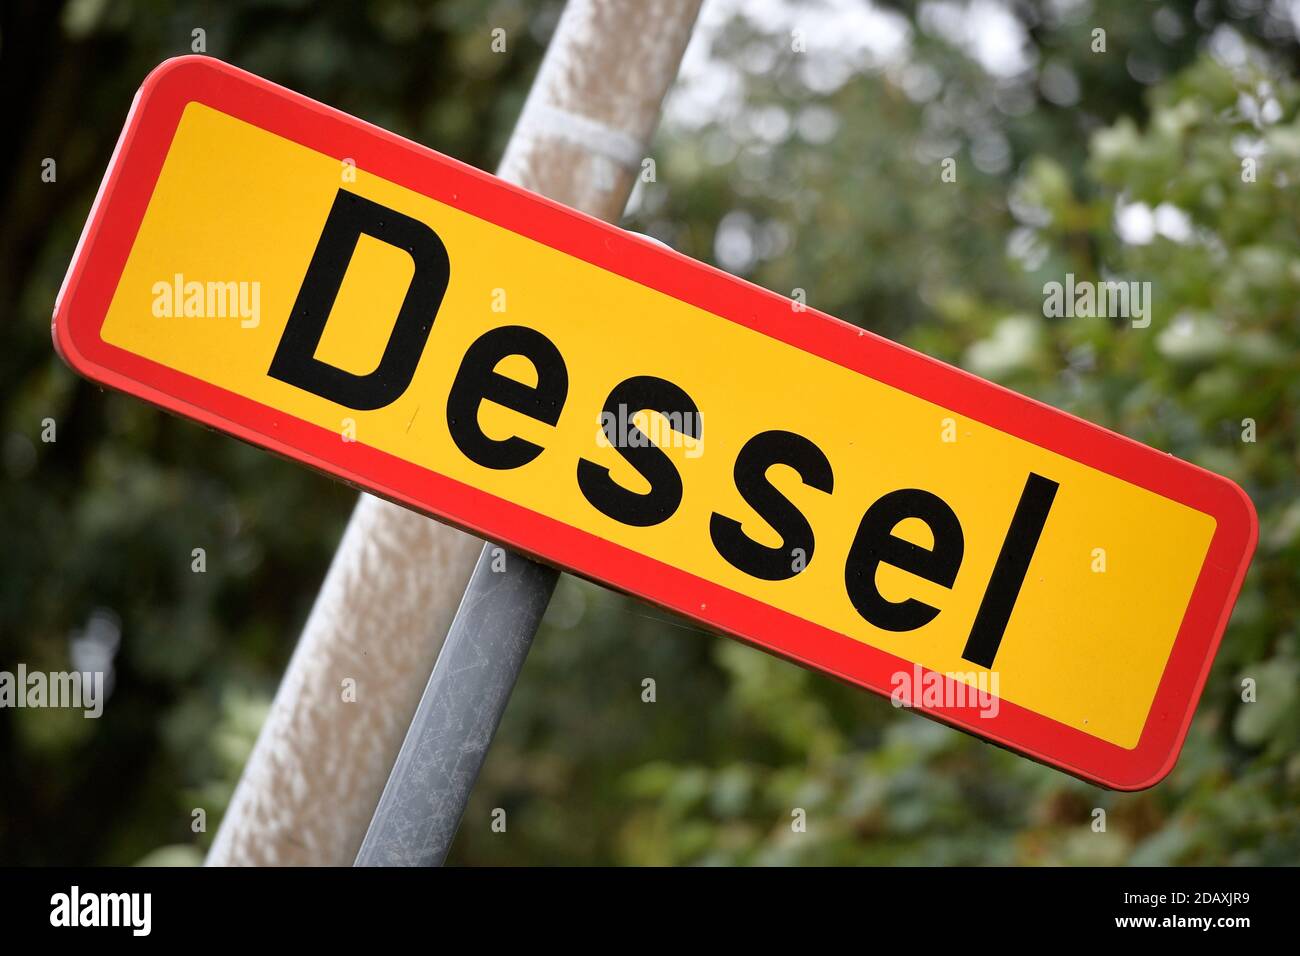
(119,208)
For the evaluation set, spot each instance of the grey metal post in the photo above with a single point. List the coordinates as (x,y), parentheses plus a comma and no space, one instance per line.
(580,140)
(421,806)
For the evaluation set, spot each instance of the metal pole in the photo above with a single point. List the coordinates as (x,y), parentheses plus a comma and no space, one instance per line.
(385,605)
(591,112)
(420,809)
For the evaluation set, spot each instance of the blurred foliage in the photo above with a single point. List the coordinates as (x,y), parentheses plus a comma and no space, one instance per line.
(817,171)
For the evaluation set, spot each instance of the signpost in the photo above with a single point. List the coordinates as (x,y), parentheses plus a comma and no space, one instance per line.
(314,285)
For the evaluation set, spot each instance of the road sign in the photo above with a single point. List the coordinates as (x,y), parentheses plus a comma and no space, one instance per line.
(312,284)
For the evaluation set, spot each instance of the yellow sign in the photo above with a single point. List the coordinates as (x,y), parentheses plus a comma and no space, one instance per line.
(437,322)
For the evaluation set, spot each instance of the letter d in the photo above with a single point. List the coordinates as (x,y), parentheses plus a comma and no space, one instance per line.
(295,359)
